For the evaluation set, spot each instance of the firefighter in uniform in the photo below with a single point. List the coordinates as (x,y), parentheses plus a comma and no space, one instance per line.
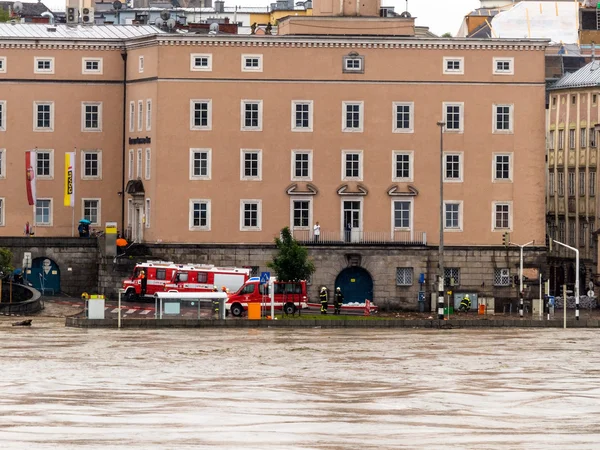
(324,300)
(338,300)
(465,304)
(143,282)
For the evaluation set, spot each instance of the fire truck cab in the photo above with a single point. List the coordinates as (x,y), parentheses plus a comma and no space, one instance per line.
(157,273)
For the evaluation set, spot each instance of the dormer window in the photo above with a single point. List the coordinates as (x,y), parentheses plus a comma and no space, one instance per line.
(353,63)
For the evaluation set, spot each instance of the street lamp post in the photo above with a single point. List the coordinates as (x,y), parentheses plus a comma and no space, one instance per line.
(521,275)
(441,247)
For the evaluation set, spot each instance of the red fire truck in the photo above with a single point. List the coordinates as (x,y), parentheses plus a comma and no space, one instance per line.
(203,278)
(158,273)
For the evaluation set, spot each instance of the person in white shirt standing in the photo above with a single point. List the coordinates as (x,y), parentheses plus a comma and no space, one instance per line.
(317,231)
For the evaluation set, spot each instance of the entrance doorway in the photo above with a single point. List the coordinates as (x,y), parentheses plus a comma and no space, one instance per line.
(45,276)
(356,285)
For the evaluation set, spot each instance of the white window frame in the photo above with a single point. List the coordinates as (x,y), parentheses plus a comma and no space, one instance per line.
(191,214)
(308,129)
(208,125)
(503,280)
(360,165)
(405,270)
(50,215)
(411,219)
(91,177)
(293,176)
(411,156)
(510,167)
(140,115)
(147,212)
(293,199)
(460,216)
(83,117)
(2,64)
(139,161)
(459,71)
(361,116)
(38,59)
(461,164)
(258,214)
(83,200)
(36,104)
(243,126)
(511,119)
(131,163)
(195,68)
(141,64)
(3,115)
(2,212)
(208,152)
(132,116)
(510,71)
(411,128)
(148,114)
(461,119)
(259,68)
(147,163)
(86,71)
(359,69)
(2,163)
(244,177)
(510,215)
(51,168)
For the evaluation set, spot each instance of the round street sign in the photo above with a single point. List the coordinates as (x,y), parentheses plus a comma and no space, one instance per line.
(590,293)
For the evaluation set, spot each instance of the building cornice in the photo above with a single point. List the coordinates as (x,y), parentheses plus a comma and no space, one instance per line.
(37,45)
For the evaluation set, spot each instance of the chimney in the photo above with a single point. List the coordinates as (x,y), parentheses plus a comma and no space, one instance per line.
(219,6)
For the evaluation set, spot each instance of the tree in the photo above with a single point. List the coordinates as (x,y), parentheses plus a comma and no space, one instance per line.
(4,16)
(6,257)
(291,262)
(447,35)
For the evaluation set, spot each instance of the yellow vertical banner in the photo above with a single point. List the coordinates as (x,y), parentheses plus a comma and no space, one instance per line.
(70,179)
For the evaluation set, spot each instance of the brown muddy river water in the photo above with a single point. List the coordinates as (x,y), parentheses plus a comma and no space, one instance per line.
(298,389)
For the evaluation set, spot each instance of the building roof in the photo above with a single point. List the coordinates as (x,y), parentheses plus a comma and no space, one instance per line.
(29,9)
(80,32)
(587,76)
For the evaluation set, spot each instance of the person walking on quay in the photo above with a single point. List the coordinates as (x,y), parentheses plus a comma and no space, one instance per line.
(465,304)
(143,282)
(324,300)
(317,232)
(338,300)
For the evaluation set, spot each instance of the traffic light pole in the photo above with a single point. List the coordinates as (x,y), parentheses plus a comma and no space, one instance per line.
(576,281)
(521,274)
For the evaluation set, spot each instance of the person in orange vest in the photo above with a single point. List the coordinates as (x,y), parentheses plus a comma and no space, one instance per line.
(143,282)
(121,244)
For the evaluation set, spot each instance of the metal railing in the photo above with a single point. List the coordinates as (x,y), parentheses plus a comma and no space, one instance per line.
(356,237)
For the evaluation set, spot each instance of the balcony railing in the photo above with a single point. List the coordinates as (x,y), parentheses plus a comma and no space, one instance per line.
(356,237)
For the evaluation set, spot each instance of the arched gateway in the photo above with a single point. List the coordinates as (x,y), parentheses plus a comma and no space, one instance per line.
(356,284)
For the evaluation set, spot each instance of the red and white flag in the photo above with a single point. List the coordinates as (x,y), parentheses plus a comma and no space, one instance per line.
(30,168)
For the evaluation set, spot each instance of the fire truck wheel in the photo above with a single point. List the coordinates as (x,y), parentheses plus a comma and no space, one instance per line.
(130,296)
(237,310)
(289,308)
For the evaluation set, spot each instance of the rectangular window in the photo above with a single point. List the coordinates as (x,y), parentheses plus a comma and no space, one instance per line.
(403,117)
(404,276)
(251,115)
(582,233)
(503,121)
(402,214)
(92,116)
(2,116)
(582,183)
(353,64)
(43,211)
(92,164)
(148,164)
(44,65)
(2,64)
(453,115)
(200,215)
(551,140)
(454,66)
(302,115)
(571,183)
(502,167)
(131,116)
(2,220)
(200,62)
(352,165)
(504,66)
(451,276)
(453,215)
(301,213)
(148,115)
(573,99)
(583,138)
(301,165)
(91,210)
(140,116)
(592,179)
(502,216)
(43,119)
(572,139)
(91,66)
(594,97)
(453,167)
(251,165)
(131,164)
(252,63)
(572,233)
(250,219)
(561,139)
(352,120)
(592,137)
(502,277)
(147,213)
(141,64)
(201,114)
(402,166)
(200,162)
(551,186)
(2,163)
(139,163)
(45,164)
(561,230)
(561,183)
(592,232)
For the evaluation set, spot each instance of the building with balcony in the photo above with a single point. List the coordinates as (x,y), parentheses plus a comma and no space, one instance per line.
(216,142)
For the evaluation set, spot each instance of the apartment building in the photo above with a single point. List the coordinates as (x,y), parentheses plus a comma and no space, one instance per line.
(220,140)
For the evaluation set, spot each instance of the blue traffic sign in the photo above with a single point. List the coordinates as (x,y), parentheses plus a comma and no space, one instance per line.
(264,277)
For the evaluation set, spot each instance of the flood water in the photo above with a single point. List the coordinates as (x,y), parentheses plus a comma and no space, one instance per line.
(298,389)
